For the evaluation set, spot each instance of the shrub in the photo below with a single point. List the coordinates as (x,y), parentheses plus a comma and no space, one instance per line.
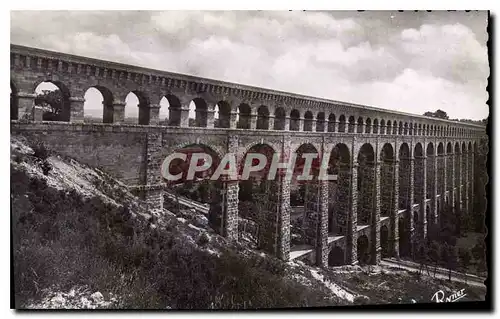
(40,151)
(63,240)
(46,167)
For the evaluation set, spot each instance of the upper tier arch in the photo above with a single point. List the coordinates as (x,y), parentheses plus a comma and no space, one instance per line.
(29,65)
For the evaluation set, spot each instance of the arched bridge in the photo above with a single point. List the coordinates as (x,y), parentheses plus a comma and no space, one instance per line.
(395,171)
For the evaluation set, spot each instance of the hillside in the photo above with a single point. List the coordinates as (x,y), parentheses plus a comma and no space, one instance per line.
(82,240)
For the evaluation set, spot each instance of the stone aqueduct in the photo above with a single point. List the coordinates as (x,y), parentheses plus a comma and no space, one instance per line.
(396,170)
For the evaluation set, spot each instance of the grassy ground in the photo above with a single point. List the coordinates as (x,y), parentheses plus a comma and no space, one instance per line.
(392,286)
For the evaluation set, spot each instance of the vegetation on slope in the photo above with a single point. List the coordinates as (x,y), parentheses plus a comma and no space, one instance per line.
(66,237)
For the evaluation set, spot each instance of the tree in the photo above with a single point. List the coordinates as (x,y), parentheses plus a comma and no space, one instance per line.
(441,114)
(478,252)
(434,254)
(450,258)
(438,114)
(422,256)
(53,103)
(465,258)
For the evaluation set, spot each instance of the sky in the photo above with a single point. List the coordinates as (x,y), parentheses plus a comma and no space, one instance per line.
(407,61)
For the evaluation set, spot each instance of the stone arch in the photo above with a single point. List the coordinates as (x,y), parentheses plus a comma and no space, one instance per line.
(384,241)
(336,257)
(428,216)
(174,109)
(200,108)
(263,118)
(430,149)
(418,178)
(416,221)
(404,151)
(387,152)
(404,176)
(404,234)
(405,128)
(389,127)
(366,161)
(202,188)
(255,144)
(440,169)
(320,122)
(418,150)
(106,101)
(303,193)
(222,116)
(258,147)
(363,250)
(178,166)
(201,144)
(375,129)
(308,121)
(449,148)
(163,111)
(140,100)
(359,128)
(352,123)
(339,156)
(294,120)
(440,148)
(65,109)
(279,119)
(368,126)
(386,180)
(457,167)
(299,161)
(340,165)
(244,116)
(14,101)
(342,123)
(400,128)
(258,198)
(465,171)
(430,152)
(331,122)
(411,127)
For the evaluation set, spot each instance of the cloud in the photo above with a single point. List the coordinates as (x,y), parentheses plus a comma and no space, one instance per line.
(413,62)
(448,51)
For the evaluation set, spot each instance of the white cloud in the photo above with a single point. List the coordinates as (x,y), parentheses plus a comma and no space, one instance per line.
(449,51)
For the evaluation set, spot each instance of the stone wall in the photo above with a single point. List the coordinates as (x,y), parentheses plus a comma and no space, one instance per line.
(121,154)
(134,154)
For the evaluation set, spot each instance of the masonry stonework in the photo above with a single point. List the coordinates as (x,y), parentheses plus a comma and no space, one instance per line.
(133,153)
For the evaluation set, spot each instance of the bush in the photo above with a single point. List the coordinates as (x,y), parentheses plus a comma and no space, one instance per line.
(63,240)
(46,167)
(40,151)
